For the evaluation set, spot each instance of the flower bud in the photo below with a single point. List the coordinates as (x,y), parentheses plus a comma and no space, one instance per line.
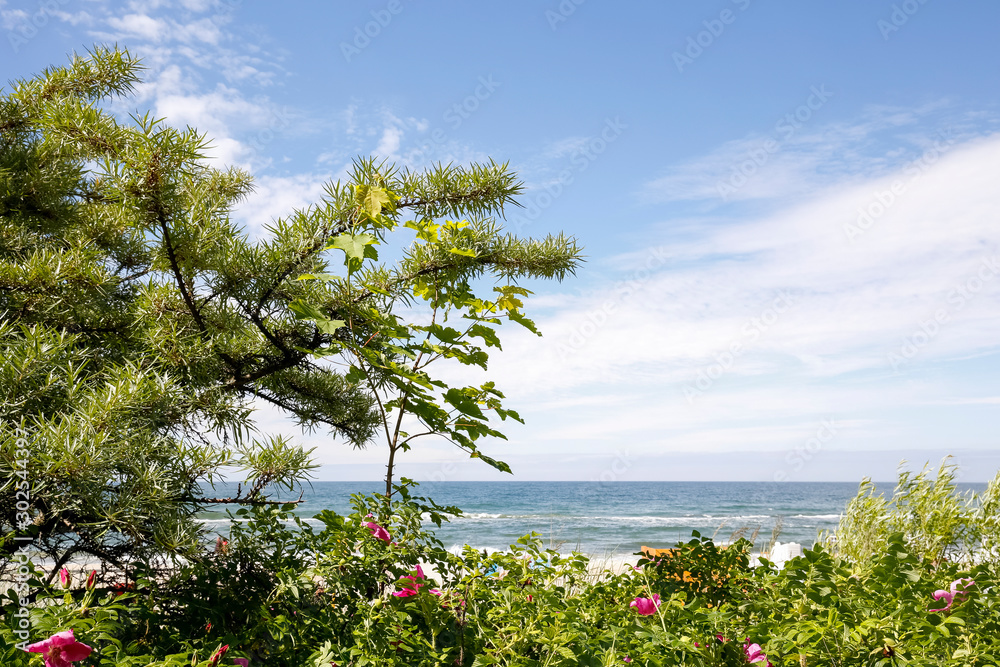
(219,652)
(64,578)
(91,580)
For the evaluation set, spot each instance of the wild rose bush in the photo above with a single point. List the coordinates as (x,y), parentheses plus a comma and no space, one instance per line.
(375,587)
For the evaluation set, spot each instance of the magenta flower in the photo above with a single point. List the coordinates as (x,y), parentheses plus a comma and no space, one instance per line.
(60,650)
(378,531)
(406,592)
(64,578)
(243,662)
(646,606)
(959,589)
(219,652)
(414,587)
(754,653)
(91,580)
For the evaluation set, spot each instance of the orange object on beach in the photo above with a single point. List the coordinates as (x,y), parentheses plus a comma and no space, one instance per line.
(667,553)
(656,553)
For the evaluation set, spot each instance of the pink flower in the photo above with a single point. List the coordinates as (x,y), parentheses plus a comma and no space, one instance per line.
(754,653)
(646,606)
(958,589)
(413,587)
(219,652)
(91,580)
(378,531)
(60,650)
(406,592)
(241,661)
(64,578)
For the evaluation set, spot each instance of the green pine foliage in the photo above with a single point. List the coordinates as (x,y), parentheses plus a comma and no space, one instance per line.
(139,324)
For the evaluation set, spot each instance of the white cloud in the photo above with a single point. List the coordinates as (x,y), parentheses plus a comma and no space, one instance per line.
(278,196)
(198,5)
(13,18)
(203,30)
(670,314)
(388,145)
(789,160)
(77,18)
(142,26)
(613,365)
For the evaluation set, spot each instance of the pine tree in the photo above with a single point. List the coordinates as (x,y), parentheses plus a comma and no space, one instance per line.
(140,326)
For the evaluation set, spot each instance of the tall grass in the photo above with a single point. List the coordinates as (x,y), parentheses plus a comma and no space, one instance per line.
(938,522)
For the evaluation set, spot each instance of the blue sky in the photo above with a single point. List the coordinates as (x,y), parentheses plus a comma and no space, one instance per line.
(789,209)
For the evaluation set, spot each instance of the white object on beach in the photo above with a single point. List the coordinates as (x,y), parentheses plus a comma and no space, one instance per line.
(782,553)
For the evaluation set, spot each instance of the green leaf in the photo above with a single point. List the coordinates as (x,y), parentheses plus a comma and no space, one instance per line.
(464,253)
(355,375)
(442,333)
(523,321)
(306,311)
(426,230)
(352,244)
(464,403)
(499,465)
(488,335)
(318,276)
(372,199)
(329,326)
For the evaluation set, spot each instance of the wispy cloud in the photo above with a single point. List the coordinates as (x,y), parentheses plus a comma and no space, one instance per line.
(921,284)
(800,160)
(274,197)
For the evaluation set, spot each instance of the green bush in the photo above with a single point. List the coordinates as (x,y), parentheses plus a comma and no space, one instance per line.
(937,522)
(281,592)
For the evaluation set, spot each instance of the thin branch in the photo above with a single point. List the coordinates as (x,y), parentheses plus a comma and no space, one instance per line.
(178,276)
(297,411)
(418,435)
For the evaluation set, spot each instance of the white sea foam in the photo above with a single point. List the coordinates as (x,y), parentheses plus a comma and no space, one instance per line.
(666,520)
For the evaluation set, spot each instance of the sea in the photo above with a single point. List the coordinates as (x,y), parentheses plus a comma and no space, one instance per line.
(608,519)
